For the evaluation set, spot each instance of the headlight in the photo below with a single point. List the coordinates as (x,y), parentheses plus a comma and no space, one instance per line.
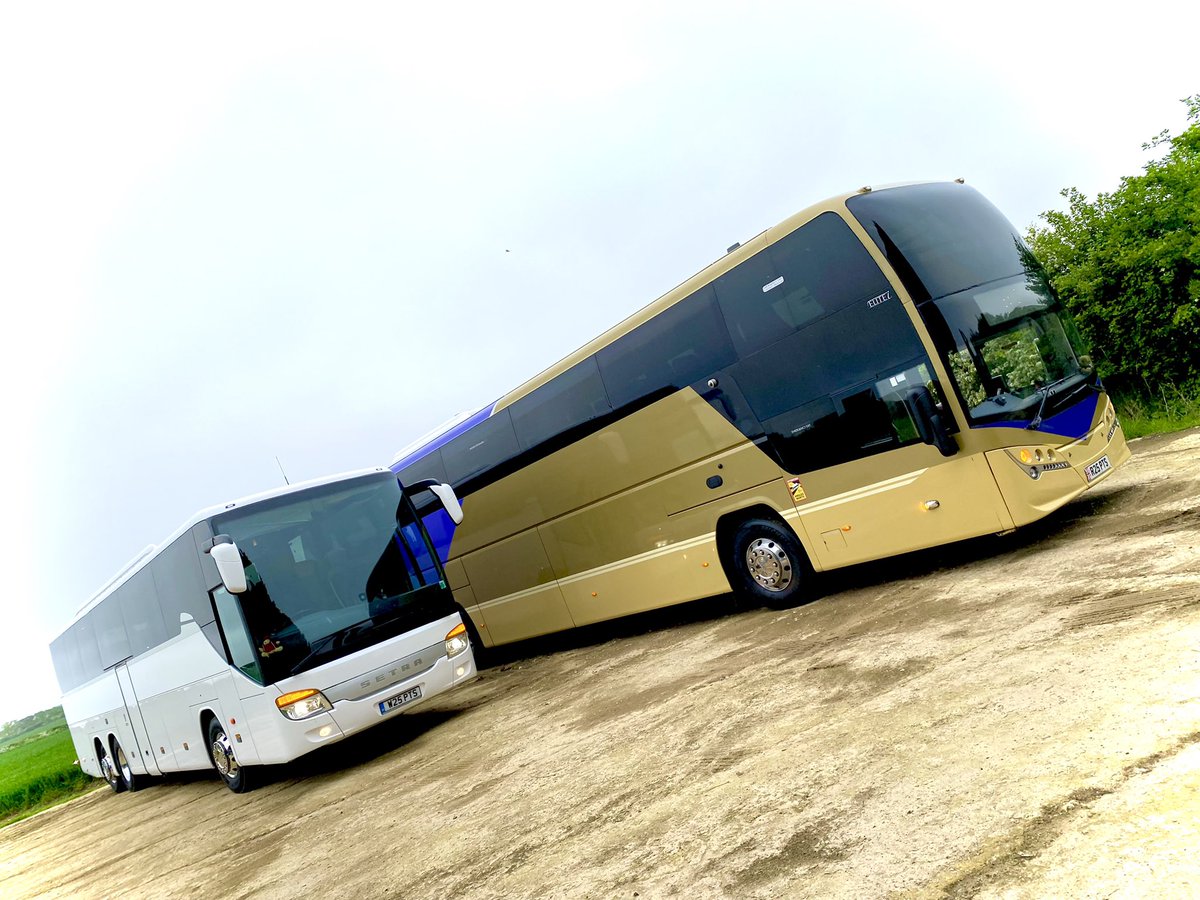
(302,704)
(1036,460)
(457,641)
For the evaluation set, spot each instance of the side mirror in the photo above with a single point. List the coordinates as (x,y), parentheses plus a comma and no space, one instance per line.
(449,500)
(928,420)
(228,558)
(443,492)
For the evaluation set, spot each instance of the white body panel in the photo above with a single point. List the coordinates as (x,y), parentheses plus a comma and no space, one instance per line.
(157,702)
(179,682)
(173,682)
(279,739)
(96,710)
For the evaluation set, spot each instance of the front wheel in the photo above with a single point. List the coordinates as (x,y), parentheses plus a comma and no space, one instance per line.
(767,564)
(220,748)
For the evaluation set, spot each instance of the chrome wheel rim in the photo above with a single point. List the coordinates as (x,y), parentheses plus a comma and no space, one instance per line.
(123,764)
(769,565)
(223,758)
(106,768)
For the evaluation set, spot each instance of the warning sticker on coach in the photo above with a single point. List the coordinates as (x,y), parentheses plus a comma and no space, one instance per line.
(797,490)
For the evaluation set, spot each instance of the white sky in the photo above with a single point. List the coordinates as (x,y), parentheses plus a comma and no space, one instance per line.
(235,231)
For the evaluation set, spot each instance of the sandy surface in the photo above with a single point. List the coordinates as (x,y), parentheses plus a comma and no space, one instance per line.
(1008,717)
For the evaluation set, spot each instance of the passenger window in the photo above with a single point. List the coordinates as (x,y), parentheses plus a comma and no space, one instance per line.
(65,653)
(488,444)
(743,295)
(428,466)
(571,398)
(818,269)
(680,345)
(89,648)
(110,631)
(139,609)
(834,390)
(180,585)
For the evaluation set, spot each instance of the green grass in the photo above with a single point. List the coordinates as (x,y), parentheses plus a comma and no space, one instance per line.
(1173,409)
(38,772)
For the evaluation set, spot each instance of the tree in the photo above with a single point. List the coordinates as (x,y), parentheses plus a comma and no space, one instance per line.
(1127,265)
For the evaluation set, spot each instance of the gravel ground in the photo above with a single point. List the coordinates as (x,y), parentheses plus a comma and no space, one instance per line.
(1006,717)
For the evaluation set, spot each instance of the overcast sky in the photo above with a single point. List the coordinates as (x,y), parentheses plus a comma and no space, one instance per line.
(235,232)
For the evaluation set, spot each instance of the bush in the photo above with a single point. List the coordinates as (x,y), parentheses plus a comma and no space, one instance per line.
(1127,266)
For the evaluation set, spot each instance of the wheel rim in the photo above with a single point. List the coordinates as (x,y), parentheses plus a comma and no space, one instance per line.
(122,764)
(223,758)
(107,769)
(769,565)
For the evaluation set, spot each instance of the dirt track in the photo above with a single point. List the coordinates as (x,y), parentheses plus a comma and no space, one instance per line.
(1014,716)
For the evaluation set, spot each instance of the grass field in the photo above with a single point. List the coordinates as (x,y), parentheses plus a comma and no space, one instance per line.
(38,772)
(1172,410)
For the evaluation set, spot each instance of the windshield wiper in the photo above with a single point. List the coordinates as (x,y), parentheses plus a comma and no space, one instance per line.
(1045,392)
(333,641)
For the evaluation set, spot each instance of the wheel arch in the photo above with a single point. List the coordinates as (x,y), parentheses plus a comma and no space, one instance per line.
(729,523)
(206,716)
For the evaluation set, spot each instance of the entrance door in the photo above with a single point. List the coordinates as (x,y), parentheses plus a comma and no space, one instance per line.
(144,752)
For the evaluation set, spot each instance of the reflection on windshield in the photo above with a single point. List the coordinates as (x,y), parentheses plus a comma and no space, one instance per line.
(983,295)
(1004,342)
(330,570)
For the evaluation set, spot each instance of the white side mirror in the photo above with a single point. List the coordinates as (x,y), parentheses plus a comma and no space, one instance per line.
(229,564)
(449,499)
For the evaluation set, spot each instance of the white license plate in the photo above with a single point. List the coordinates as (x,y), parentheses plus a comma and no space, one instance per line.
(392,703)
(1098,468)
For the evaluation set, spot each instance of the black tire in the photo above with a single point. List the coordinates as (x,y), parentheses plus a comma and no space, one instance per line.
(480,653)
(108,771)
(767,565)
(120,764)
(220,750)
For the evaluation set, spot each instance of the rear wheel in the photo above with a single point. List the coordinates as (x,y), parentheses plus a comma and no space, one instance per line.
(767,564)
(107,770)
(120,765)
(224,760)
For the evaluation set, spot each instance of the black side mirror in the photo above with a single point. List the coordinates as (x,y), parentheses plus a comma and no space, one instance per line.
(928,420)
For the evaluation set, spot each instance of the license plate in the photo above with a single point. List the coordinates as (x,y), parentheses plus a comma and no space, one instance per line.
(1098,468)
(393,703)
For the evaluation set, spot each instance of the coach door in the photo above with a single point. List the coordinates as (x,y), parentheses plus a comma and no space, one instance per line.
(144,752)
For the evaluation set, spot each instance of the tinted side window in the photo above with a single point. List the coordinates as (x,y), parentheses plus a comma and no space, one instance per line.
(488,444)
(139,608)
(89,649)
(834,391)
(572,398)
(742,292)
(241,647)
(110,630)
(428,466)
(840,351)
(682,344)
(816,270)
(180,586)
(66,660)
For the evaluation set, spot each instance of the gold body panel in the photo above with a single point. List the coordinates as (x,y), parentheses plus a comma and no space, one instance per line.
(1030,499)
(932,500)
(624,520)
(640,545)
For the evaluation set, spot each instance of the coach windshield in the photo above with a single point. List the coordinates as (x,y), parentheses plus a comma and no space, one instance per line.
(329,571)
(1011,349)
